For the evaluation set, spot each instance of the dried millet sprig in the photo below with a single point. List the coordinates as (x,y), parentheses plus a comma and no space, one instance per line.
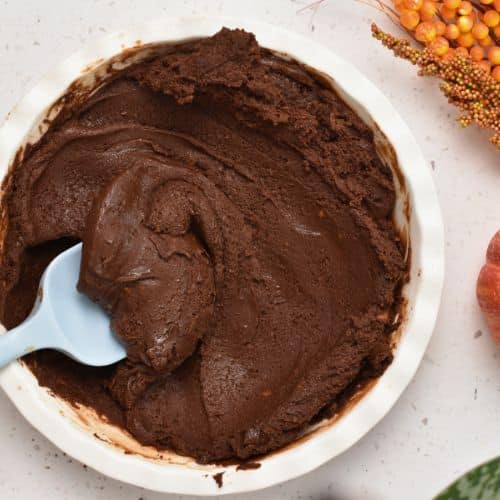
(467,86)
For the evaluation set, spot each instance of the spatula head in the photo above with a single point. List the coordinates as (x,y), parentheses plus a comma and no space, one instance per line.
(85,326)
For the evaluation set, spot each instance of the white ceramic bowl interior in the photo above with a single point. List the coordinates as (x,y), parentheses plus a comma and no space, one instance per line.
(73,430)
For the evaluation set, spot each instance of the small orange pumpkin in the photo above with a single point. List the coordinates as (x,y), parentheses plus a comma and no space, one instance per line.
(488,288)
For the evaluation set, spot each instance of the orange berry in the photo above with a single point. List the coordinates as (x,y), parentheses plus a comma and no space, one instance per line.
(428,10)
(452,32)
(425,32)
(465,23)
(486,2)
(486,42)
(496,31)
(449,55)
(440,46)
(484,65)
(413,4)
(461,51)
(465,8)
(447,14)
(494,55)
(491,18)
(480,31)
(452,4)
(409,19)
(496,73)
(440,27)
(496,4)
(466,40)
(477,53)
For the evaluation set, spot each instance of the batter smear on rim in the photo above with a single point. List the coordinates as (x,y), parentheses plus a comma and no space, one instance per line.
(237,226)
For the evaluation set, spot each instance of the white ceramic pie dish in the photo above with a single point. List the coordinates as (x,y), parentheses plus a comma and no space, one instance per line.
(118,455)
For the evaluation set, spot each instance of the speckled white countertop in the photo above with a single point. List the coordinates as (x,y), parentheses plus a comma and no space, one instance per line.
(448,419)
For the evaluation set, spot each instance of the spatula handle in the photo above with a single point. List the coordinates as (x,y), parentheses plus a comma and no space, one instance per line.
(36,332)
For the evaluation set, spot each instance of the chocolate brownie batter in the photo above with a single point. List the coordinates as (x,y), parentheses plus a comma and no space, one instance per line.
(237,226)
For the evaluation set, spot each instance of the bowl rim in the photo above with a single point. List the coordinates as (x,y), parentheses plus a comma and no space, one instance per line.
(34,402)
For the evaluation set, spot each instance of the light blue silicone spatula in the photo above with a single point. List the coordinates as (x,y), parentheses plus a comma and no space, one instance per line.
(64,319)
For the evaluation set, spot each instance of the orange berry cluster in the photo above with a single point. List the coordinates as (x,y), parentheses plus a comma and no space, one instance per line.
(449,27)
(465,84)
